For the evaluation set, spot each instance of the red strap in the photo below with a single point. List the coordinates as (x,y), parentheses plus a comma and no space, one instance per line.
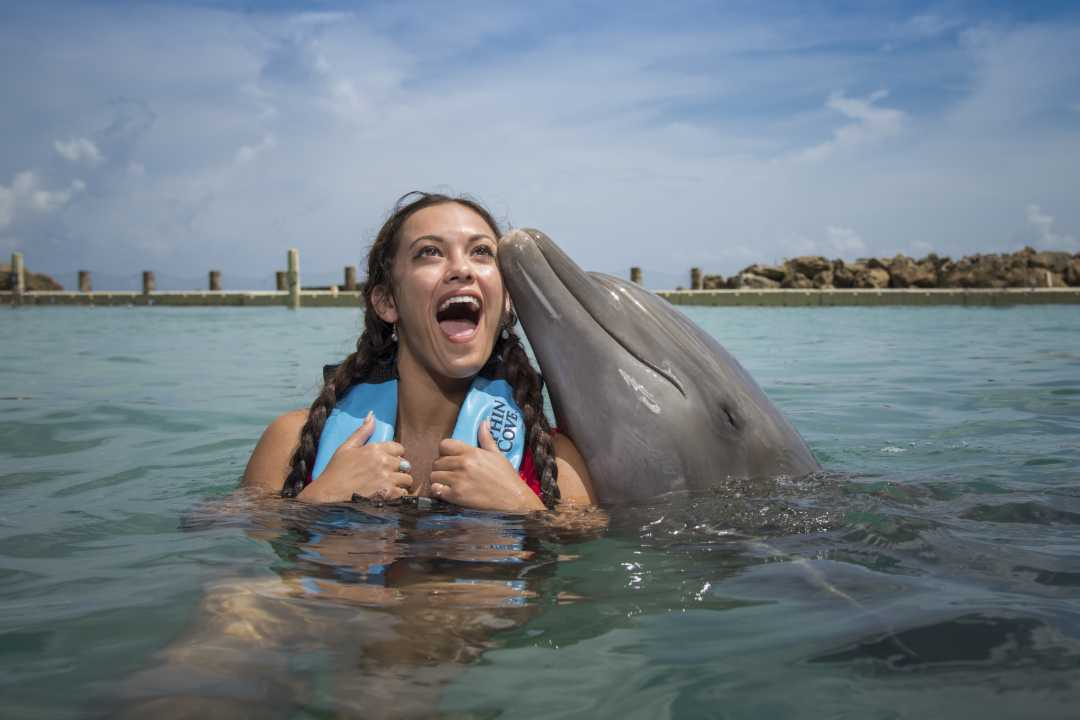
(527,472)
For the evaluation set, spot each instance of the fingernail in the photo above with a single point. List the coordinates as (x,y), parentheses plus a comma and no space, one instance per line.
(370,414)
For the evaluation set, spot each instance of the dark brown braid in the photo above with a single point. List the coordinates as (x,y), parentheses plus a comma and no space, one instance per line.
(528,386)
(375,356)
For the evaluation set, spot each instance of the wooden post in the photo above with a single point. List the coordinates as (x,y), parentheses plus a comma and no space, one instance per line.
(635,275)
(215,281)
(695,278)
(281,281)
(294,279)
(350,278)
(149,283)
(18,274)
(84,282)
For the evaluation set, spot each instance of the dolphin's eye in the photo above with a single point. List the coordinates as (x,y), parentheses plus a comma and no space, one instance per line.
(730,417)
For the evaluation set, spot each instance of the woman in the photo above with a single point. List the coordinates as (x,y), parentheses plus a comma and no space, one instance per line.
(436,316)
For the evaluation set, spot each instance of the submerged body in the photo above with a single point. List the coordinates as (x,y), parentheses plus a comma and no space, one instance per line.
(654,403)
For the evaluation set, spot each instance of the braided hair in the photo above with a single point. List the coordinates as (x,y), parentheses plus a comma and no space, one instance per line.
(375,355)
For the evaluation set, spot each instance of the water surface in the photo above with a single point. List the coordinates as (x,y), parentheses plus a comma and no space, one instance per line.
(933,571)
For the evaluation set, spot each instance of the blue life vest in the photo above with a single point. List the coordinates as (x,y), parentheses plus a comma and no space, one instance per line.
(487,400)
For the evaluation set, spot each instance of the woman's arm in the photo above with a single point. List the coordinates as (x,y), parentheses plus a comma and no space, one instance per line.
(269,464)
(575,485)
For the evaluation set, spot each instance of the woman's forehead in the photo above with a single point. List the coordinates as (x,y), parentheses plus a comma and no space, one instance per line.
(446,220)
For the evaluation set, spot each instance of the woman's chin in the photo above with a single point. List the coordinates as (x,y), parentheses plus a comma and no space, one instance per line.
(465,360)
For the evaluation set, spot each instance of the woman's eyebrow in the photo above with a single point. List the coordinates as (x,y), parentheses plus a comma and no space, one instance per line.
(436,238)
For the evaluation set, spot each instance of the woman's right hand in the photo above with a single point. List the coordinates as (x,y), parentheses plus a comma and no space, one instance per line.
(371,471)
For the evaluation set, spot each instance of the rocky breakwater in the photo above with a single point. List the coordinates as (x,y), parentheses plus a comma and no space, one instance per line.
(34,281)
(1024,269)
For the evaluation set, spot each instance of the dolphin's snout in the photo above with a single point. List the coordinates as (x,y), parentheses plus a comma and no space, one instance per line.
(520,240)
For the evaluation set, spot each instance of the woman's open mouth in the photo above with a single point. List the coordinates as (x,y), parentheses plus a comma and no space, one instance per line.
(459,317)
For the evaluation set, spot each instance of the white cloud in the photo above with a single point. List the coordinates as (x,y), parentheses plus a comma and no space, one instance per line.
(247,153)
(872,124)
(1043,223)
(78,150)
(1020,74)
(7,206)
(844,240)
(665,147)
(26,192)
(49,200)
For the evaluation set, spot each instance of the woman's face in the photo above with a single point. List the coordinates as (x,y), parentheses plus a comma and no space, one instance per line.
(448,298)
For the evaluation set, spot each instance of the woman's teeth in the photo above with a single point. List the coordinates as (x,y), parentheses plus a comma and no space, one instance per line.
(467,299)
(458,316)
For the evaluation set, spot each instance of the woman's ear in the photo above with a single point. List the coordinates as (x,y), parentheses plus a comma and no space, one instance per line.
(382,301)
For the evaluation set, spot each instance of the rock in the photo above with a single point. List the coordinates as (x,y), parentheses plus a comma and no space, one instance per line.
(1053,261)
(768,271)
(713,282)
(843,276)
(1025,268)
(977,271)
(797,281)
(1034,277)
(807,265)
(935,260)
(871,278)
(1072,272)
(1022,277)
(749,281)
(34,281)
(904,273)
(990,271)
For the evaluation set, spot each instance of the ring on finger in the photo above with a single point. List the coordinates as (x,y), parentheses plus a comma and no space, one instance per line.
(404,466)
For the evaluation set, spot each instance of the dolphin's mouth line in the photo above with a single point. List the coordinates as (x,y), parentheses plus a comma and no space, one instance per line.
(540,293)
(662,372)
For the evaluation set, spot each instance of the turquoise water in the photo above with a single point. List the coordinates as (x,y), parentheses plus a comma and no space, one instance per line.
(933,571)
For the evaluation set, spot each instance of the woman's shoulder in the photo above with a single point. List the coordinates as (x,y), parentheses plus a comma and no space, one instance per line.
(269,463)
(293,419)
(575,484)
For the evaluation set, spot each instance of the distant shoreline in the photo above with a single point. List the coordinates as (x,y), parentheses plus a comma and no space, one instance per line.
(1025,277)
(710,298)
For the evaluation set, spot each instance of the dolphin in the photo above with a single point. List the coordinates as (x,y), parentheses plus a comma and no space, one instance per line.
(655,404)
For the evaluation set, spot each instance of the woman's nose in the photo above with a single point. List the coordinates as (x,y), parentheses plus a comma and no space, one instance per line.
(459,267)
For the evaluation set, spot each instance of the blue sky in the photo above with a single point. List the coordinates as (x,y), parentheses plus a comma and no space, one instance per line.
(180,137)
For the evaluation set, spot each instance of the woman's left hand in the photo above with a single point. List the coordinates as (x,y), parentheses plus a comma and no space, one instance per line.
(480,477)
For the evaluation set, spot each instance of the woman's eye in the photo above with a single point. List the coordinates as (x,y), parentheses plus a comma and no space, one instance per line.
(484,250)
(428,251)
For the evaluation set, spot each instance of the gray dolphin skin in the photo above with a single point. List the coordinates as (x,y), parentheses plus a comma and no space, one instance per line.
(654,403)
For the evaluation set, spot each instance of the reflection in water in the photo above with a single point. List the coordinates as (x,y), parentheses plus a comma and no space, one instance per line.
(369,611)
(384,612)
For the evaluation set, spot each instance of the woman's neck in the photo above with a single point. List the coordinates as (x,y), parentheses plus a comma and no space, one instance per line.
(428,406)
